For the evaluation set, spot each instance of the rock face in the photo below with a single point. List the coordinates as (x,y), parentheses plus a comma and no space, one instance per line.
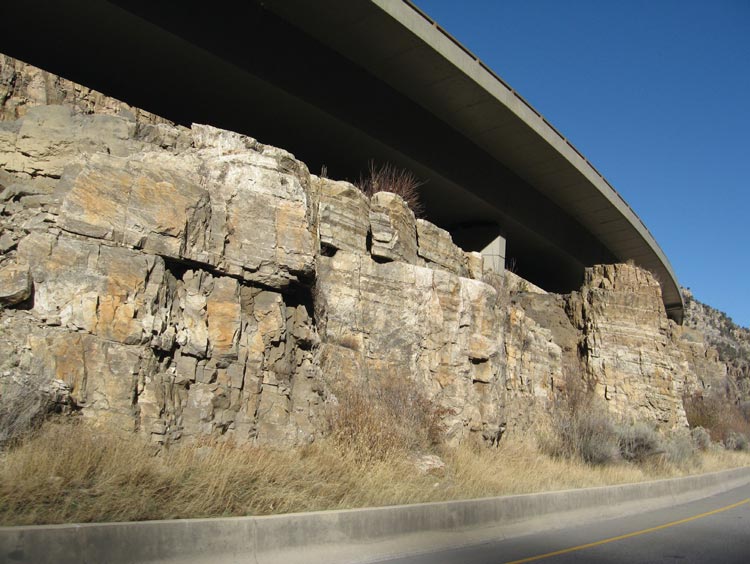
(439,252)
(344,217)
(15,284)
(731,341)
(24,86)
(542,355)
(186,282)
(165,281)
(393,228)
(399,321)
(627,344)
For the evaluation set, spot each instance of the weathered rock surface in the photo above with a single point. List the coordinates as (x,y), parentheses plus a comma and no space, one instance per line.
(732,343)
(344,217)
(436,247)
(393,228)
(241,362)
(24,86)
(244,212)
(542,355)
(381,321)
(97,228)
(628,351)
(186,282)
(15,284)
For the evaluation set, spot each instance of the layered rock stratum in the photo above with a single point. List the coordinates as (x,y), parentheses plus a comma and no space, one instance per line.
(731,341)
(182,282)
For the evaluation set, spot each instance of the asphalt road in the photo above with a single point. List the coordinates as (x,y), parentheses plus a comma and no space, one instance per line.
(712,530)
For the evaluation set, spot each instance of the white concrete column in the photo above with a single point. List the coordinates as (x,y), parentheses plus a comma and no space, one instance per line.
(494,255)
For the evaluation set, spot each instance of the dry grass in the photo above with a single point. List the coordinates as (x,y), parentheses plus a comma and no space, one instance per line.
(388,178)
(717,459)
(380,420)
(69,471)
(75,473)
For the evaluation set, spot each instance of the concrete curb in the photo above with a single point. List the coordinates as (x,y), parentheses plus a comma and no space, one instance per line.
(349,535)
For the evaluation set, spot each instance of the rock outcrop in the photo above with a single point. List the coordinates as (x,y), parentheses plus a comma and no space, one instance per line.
(396,321)
(731,343)
(629,355)
(185,282)
(24,86)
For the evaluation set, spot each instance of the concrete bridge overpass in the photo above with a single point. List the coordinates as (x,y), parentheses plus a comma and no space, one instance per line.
(340,82)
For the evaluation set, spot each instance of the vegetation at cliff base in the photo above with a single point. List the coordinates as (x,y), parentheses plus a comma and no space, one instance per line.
(382,447)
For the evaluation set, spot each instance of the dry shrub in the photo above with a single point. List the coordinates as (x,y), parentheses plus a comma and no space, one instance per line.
(736,441)
(701,438)
(388,178)
(581,427)
(580,431)
(724,420)
(638,442)
(682,449)
(592,436)
(378,420)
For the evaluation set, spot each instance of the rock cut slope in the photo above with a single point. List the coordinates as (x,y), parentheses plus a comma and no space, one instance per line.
(186,282)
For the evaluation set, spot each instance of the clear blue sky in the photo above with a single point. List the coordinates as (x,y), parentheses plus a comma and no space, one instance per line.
(656,94)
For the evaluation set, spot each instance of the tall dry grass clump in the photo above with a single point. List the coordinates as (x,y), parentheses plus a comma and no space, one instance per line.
(388,178)
(377,420)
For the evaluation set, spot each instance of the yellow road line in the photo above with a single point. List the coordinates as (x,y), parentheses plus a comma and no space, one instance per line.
(627,536)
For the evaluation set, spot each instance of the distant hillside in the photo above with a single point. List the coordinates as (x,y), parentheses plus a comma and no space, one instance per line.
(730,340)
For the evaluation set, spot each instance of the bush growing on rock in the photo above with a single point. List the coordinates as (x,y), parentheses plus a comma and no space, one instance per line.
(592,435)
(580,429)
(681,450)
(388,178)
